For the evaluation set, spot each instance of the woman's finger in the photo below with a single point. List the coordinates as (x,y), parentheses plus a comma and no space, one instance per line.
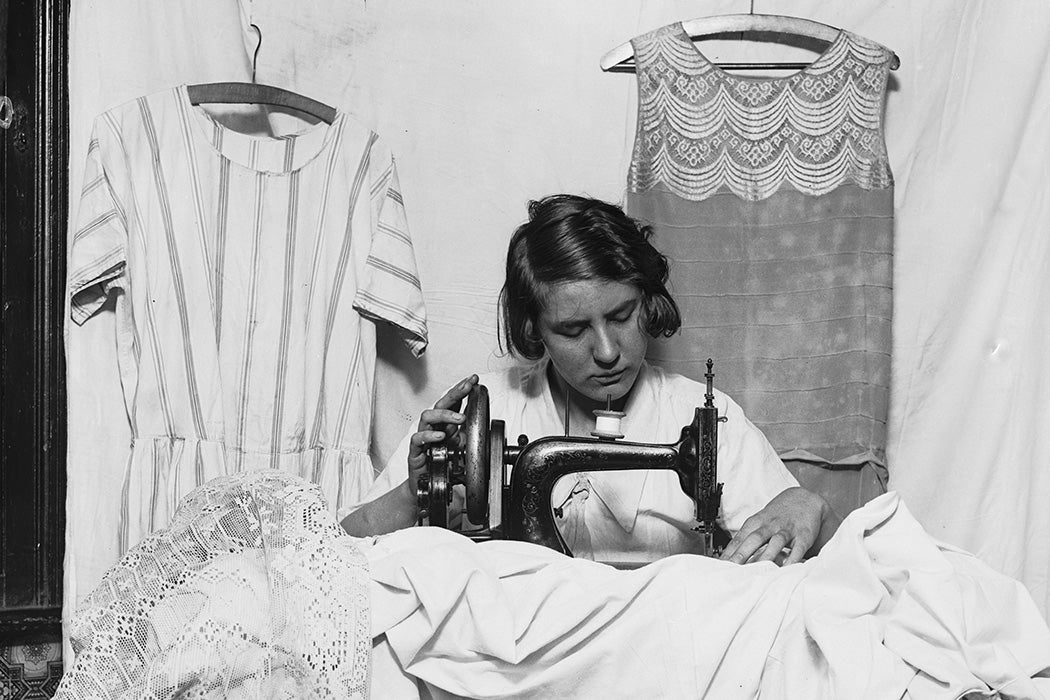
(733,546)
(426,437)
(746,547)
(798,551)
(750,525)
(773,548)
(454,396)
(431,418)
(418,443)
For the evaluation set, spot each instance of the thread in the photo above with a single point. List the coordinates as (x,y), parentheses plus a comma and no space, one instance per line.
(607,424)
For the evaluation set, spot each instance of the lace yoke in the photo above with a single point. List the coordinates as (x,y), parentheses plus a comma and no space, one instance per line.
(702,130)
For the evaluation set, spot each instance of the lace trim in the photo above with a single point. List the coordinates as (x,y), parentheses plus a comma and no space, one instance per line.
(702,130)
(253,591)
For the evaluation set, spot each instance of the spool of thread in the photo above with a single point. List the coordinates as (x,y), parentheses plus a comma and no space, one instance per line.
(607,424)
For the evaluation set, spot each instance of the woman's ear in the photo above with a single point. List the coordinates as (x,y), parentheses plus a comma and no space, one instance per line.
(536,348)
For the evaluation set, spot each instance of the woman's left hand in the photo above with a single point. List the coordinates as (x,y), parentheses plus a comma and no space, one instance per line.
(796,519)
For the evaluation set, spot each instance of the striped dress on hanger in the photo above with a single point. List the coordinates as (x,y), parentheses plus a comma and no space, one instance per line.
(247,272)
(773,198)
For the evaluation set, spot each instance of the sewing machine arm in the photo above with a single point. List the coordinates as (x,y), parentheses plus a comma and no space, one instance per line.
(543,462)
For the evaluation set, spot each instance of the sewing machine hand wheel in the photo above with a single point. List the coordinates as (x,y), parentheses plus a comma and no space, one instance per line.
(469,465)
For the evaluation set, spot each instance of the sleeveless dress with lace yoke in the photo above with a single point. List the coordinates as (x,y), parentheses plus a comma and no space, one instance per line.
(773,199)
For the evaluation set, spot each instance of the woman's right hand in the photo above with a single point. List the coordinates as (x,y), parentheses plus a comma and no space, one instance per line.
(439,424)
(398,508)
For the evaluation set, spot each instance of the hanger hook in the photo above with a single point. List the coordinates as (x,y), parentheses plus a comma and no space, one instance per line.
(255,56)
(752,8)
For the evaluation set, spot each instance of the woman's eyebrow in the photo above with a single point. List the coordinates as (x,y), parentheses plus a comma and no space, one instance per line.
(620,308)
(574,322)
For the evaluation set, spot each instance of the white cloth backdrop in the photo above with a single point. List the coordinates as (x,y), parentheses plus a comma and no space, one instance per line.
(487,104)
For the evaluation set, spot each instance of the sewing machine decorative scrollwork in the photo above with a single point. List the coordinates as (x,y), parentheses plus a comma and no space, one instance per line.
(508,487)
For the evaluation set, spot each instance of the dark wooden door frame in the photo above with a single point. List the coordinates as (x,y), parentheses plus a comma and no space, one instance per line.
(33,216)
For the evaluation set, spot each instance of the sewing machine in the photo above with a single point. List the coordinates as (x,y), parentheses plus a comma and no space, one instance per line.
(508,487)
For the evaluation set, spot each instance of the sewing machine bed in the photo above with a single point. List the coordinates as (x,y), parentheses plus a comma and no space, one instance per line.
(240,599)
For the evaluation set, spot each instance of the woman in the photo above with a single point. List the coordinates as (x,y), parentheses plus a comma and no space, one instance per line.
(584,293)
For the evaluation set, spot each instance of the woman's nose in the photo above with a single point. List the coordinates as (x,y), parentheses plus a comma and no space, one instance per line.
(606,349)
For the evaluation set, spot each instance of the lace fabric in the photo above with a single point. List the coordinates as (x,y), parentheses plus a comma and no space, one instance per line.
(254,591)
(702,130)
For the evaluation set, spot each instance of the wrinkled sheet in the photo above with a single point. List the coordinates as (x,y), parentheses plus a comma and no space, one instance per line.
(255,591)
(882,612)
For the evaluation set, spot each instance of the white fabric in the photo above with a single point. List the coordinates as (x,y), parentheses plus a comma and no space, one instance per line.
(255,591)
(883,610)
(488,105)
(968,445)
(252,592)
(639,515)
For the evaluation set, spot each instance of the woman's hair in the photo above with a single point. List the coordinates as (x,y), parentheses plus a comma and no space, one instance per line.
(567,239)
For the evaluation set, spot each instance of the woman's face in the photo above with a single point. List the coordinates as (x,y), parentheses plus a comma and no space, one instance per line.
(592,330)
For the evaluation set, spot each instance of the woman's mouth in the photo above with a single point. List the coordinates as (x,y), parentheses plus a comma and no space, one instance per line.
(610,378)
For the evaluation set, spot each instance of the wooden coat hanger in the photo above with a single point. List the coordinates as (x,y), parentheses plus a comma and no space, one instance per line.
(621,58)
(255,93)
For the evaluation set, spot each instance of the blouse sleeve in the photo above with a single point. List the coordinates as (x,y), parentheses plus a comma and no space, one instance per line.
(390,290)
(753,473)
(97,255)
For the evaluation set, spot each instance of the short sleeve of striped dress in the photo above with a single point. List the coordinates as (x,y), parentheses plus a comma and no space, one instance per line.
(98,254)
(390,290)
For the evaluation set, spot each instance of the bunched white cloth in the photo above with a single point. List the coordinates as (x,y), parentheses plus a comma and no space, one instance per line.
(883,612)
(255,592)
